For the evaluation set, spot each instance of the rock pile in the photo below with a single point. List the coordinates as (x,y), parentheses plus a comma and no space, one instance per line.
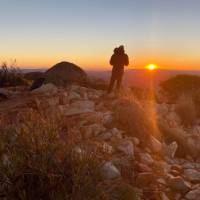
(153,170)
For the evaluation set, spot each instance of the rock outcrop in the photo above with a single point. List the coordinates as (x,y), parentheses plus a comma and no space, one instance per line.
(120,130)
(65,73)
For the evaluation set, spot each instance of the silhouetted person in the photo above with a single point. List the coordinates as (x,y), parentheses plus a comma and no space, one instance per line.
(118,60)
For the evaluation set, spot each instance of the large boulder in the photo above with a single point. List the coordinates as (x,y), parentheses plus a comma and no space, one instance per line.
(64,73)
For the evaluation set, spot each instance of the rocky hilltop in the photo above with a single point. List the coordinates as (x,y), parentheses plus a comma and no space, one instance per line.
(75,142)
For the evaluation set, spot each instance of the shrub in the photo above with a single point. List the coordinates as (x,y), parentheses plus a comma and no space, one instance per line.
(181,84)
(38,161)
(11,76)
(186,110)
(131,116)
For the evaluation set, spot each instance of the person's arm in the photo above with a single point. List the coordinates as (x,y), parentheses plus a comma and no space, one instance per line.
(112,60)
(126,60)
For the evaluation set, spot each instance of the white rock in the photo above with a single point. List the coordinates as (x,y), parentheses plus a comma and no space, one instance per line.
(107,119)
(126,146)
(78,150)
(146,158)
(178,184)
(136,141)
(92,130)
(80,107)
(117,133)
(109,171)
(170,150)
(193,194)
(46,89)
(106,135)
(73,96)
(192,175)
(113,133)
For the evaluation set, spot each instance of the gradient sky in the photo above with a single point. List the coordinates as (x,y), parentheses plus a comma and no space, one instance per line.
(40,33)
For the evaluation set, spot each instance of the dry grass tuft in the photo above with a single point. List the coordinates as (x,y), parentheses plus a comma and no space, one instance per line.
(11,75)
(38,161)
(131,116)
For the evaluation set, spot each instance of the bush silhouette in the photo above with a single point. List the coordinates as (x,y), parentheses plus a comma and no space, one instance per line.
(181,84)
(11,76)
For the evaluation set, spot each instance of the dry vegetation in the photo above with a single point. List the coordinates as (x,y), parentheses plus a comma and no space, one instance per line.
(131,116)
(186,110)
(39,161)
(43,155)
(11,75)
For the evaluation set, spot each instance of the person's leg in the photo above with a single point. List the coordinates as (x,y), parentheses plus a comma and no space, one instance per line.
(119,81)
(112,81)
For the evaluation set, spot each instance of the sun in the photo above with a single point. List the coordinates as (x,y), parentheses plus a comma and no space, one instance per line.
(151,67)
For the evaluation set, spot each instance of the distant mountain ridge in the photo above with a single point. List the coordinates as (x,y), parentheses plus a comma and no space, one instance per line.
(142,78)
(132,77)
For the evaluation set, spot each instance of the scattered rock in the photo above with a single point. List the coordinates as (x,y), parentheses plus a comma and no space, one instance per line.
(83,104)
(124,191)
(192,175)
(4,93)
(109,171)
(80,107)
(113,133)
(136,141)
(144,179)
(126,146)
(170,150)
(146,158)
(92,130)
(107,119)
(178,184)
(46,89)
(193,194)
(143,168)
(74,96)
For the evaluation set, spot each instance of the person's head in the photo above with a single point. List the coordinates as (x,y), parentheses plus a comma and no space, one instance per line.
(121,49)
(115,50)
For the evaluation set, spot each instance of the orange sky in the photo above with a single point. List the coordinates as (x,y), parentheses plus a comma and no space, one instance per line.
(43,33)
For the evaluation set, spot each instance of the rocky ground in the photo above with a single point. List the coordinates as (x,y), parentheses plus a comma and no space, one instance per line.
(154,165)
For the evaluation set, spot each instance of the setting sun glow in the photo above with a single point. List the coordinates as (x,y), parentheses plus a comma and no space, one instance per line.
(152,67)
